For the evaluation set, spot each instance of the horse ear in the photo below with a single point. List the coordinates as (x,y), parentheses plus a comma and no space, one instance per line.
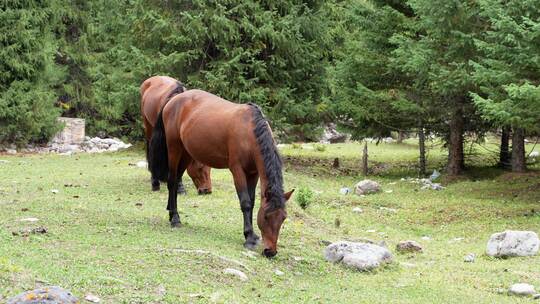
(288,195)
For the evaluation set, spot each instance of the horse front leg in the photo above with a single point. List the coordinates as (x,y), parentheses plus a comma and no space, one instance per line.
(246,205)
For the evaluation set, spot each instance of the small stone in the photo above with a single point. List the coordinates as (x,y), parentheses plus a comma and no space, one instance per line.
(141,164)
(409,246)
(279,272)
(522,289)
(426,238)
(345,191)
(357,210)
(389,191)
(536,296)
(54,191)
(455,240)
(92,298)
(408,265)
(29,219)
(469,258)
(298,259)
(388,209)
(11,151)
(242,276)
(371,230)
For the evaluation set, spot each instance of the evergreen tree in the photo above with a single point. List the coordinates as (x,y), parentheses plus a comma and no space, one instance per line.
(27,71)
(508,70)
(438,52)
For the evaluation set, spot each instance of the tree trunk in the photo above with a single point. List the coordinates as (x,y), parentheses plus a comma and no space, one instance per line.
(422,146)
(504,155)
(455,144)
(365,160)
(518,151)
(401,137)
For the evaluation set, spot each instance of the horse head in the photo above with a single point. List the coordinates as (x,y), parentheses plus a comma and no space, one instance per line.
(270,222)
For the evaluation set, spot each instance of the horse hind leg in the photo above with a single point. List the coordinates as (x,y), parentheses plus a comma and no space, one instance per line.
(177,165)
(148,134)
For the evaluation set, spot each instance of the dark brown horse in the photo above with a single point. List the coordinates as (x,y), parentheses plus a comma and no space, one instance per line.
(155,93)
(196,125)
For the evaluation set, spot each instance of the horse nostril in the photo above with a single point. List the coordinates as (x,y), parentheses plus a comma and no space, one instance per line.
(269,253)
(204,191)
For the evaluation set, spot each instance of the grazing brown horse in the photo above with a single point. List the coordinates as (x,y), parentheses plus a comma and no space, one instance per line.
(196,125)
(155,93)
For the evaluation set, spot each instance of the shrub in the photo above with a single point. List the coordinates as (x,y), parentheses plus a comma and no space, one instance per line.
(304,197)
(320,147)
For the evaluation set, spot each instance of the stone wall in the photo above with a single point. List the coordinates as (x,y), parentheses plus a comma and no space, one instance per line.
(73,132)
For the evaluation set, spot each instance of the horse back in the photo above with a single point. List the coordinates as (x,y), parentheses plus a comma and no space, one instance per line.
(154,93)
(211,129)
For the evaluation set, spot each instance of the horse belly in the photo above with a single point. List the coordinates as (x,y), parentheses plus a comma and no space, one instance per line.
(206,149)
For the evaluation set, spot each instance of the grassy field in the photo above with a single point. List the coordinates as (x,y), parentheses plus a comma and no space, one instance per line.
(108,234)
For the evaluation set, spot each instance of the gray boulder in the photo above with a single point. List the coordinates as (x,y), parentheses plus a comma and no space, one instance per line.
(45,295)
(367,187)
(522,289)
(513,243)
(361,256)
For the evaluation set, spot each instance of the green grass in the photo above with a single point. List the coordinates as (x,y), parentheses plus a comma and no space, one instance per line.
(108,234)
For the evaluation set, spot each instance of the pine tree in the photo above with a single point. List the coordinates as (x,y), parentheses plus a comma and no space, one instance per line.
(27,72)
(508,70)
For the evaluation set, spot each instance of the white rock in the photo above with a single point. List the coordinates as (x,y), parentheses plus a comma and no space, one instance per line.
(242,276)
(344,190)
(513,243)
(455,240)
(357,210)
(389,191)
(92,298)
(362,256)
(113,148)
(469,258)
(388,209)
(426,238)
(279,272)
(142,164)
(11,151)
(534,154)
(367,187)
(54,191)
(29,219)
(522,289)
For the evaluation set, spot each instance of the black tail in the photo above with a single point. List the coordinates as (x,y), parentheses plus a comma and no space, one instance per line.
(158,159)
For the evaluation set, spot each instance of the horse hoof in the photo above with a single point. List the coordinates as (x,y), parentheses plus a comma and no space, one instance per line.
(252,242)
(250,245)
(155,188)
(175,224)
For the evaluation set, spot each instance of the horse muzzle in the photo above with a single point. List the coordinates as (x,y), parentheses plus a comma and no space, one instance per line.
(269,253)
(204,191)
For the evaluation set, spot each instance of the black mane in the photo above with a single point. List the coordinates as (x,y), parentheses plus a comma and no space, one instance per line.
(272,161)
(179,88)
